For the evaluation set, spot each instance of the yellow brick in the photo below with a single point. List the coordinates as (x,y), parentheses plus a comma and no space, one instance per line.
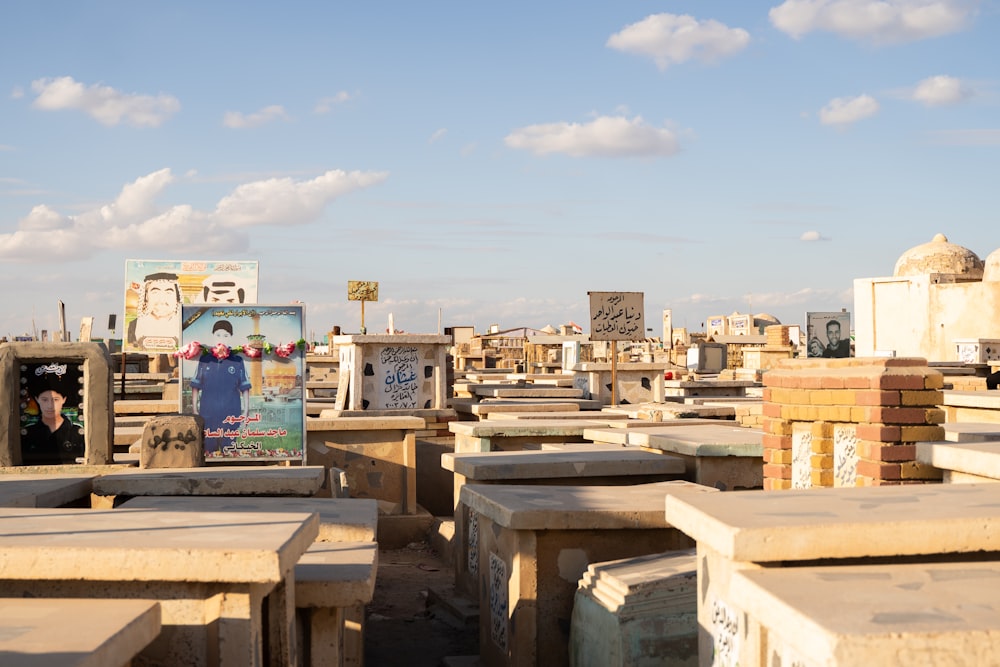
(822,446)
(781,456)
(858,415)
(822,478)
(934,381)
(922,433)
(844,396)
(914,470)
(935,416)
(928,397)
(821,397)
(821,461)
(821,430)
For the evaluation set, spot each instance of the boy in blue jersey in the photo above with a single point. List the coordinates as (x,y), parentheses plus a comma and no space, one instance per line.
(220,389)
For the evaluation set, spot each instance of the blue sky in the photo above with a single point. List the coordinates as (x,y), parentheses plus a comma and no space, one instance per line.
(493,162)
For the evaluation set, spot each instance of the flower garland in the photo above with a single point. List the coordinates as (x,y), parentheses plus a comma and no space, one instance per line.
(220,351)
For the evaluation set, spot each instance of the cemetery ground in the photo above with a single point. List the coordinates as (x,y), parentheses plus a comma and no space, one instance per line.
(404,625)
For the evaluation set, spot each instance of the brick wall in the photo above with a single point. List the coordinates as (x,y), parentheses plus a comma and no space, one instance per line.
(850,422)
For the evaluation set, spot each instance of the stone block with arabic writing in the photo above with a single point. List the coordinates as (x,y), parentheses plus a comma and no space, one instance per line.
(173,441)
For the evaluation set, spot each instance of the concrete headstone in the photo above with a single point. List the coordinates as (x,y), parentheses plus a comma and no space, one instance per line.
(173,441)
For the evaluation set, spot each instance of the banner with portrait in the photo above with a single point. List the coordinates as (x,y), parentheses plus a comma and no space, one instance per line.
(243,370)
(155,291)
(51,414)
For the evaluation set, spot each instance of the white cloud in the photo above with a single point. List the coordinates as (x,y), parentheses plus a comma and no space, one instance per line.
(812,236)
(846,110)
(605,136)
(134,220)
(941,91)
(438,134)
(102,103)
(326,104)
(282,201)
(670,39)
(877,21)
(239,121)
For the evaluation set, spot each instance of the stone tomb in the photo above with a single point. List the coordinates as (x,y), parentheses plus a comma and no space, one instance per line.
(636,382)
(535,543)
(392,372)
(715,454)
(334,579)
(900,614)
(96,401)
(751,530)
(580,467)
(84,633)
(211,576)
(637,611)
(377,454)
(494,435)
(209,481)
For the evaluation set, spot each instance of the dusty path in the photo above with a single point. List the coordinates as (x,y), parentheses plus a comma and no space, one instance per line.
(400,628)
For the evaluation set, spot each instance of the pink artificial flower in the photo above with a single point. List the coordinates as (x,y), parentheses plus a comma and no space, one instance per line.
(284,350)
(189,351)
(221,351)
(252,352)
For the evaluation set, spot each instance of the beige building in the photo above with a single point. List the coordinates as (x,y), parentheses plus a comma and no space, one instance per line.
(939,295)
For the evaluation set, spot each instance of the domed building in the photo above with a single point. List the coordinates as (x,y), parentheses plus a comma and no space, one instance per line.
(940,297)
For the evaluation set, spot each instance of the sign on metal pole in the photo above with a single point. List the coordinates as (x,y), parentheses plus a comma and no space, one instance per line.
(616,316)
(362,290)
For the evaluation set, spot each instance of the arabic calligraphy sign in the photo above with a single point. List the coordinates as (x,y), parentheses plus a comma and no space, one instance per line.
(397,365)
(617,316)
(362,290)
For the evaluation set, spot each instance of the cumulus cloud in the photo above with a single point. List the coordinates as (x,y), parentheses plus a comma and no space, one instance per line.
(812,235)
(847,110)
(135,221)
(240,121)
(605,136)
(326,104)
(438,134)
(671,39)
(102,103)
(282,201)
(876,21)
(940,91)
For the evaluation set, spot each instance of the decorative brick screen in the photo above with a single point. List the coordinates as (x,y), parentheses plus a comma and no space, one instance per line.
(850,422)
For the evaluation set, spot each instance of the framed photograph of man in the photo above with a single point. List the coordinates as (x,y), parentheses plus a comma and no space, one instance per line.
(155,291)
(828,335)
(243,371)
(51,414)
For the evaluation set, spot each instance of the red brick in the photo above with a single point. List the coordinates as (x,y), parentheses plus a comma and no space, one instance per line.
(887,415)
(878,470)
(777,471)
(772,410)
(877,397)
(894,453)
(878,432)
(910,381)
(772,441)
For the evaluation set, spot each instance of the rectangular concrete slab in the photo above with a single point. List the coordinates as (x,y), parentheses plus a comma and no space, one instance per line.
(43,490)
(576,463)
(981,459)
(845,522)
(142,545)
(523,507)
(213,481)
(340,519)
(702,440)
(914,613)
(336,574)
(66,632)
(971,432)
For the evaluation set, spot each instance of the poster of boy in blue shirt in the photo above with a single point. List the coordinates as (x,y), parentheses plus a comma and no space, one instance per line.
(220,391)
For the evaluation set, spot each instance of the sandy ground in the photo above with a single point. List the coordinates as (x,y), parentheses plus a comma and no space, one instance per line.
(401,628)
